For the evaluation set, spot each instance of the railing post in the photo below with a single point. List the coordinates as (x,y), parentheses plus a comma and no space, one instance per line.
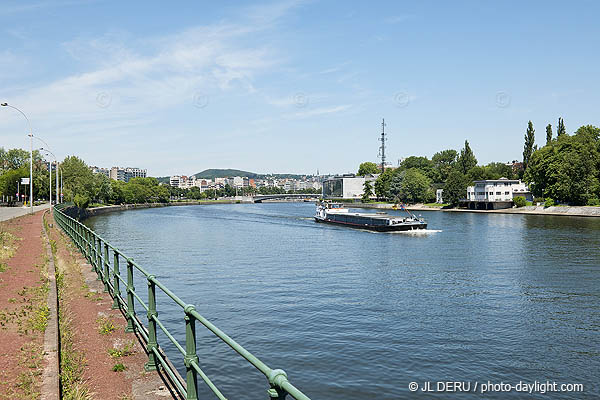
(87,246)
(191,377)
(116,288)
(98,253)
(152,313)
(130,289)
(275,377)
(106,265)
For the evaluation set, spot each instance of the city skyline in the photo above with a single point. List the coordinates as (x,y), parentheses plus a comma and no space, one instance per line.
(292,87)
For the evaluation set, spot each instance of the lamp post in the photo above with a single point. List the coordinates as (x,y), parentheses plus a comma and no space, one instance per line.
(30,154)
(46,149)
(56,174)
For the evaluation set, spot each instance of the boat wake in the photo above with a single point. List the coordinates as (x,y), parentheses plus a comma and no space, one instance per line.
(419,232)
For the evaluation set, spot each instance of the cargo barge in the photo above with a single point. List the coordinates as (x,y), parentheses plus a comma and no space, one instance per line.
(334,213)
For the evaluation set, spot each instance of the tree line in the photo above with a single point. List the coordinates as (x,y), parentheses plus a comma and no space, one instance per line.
(82,187)
(416,179)
(566,169)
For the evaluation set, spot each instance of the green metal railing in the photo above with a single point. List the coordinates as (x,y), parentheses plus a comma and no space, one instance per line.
(97,251)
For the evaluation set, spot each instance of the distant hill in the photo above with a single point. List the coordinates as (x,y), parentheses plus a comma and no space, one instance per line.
(223,173)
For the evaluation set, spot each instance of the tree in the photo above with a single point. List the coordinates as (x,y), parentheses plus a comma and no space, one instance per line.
(529,142)
(77,178)
(382,184)
(414,186)
(567,169)
(467,159)
(548,133)
(368,192)
(395,190)
(560,129)
(455,188)
(591,131)
(367,168)
(444,161)
(423,164)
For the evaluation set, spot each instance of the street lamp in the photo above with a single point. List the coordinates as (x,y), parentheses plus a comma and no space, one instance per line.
(56,174)
(30,154)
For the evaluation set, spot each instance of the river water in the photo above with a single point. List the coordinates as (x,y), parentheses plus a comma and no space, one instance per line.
(351,314)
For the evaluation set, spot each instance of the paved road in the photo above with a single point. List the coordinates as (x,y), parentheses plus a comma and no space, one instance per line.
(12,212)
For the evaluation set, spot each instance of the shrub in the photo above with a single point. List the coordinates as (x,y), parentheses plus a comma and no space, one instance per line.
(81,201)
(549,203)
(538,200)
(593,202)
(520,201)
(119,367)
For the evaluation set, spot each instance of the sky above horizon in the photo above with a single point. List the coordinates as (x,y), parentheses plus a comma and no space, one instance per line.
(292,86)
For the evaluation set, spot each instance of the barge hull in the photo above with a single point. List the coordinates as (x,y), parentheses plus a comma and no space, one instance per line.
(377,228)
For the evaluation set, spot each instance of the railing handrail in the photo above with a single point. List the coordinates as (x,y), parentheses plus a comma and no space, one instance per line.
(90,244)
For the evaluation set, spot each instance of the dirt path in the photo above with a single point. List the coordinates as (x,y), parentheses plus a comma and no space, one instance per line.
(98,359)
(106,362)
(23,307)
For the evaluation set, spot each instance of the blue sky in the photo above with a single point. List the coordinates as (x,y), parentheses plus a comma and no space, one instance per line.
(293,86)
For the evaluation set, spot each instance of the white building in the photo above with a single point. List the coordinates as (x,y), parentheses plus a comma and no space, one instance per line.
(439,196)
(125,174)
(496,193)
(346,187)
(174,180)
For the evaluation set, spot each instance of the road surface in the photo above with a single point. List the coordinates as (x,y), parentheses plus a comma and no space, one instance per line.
(12,212)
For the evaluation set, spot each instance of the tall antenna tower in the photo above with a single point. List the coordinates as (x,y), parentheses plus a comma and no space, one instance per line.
(382,147)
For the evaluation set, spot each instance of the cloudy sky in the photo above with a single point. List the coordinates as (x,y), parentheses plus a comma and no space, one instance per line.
(292,86)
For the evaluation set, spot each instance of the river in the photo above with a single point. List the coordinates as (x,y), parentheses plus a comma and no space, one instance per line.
(351,314)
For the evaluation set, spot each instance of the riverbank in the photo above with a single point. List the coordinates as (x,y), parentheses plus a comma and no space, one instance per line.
(569,211)
(91,212)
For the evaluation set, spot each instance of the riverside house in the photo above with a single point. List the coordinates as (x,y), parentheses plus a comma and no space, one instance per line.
(495,194)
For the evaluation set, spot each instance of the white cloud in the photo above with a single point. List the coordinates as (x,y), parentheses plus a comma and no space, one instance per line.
(127,80)
(320,111)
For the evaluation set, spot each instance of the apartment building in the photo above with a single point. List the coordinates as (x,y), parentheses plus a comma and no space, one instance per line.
(495,194)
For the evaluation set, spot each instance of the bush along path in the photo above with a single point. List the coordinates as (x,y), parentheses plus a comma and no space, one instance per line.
(98,359)
(24,311)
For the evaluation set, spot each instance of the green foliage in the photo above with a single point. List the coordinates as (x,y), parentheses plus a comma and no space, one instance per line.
(520,201)
(119,367)
(13,158)
(105,326)
(367,192)
(567,169)
(124,351)
(423,164)
(593,202)
(548,133)
(455,188)
(9,179)
(382,184)
(549,202)
(444,162)
(81,201)
(490,171)
(466,159)
(411,186)
(560,129)
(591,132)
(529,142)
(367,168)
